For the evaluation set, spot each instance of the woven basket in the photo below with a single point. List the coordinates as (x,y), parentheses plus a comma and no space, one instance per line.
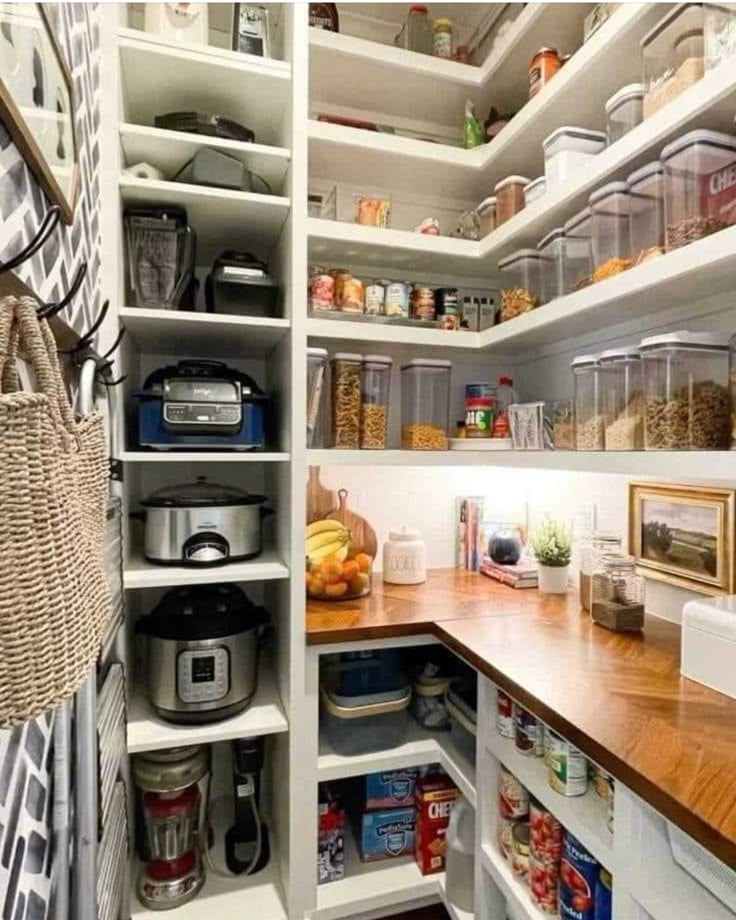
(54,599)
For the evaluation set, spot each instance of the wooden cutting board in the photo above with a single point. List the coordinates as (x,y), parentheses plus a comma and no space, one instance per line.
(320,501)
(363,536)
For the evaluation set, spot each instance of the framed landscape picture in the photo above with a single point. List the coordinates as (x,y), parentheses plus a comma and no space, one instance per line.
(683,535)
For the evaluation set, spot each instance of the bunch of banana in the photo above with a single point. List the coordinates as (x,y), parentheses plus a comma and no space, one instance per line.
(327,538)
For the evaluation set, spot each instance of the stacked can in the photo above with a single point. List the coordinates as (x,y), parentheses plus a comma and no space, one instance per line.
(579,872)
(545,853)
(513,810)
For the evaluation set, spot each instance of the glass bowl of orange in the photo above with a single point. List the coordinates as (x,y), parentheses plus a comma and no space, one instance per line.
(336,579)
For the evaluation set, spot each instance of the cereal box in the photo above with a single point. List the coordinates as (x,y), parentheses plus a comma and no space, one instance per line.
(436,796)
(385,834)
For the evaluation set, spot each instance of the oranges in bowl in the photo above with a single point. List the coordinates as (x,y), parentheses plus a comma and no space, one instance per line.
(332,578)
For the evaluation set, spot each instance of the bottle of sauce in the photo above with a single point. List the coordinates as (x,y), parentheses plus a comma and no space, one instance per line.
(505,396)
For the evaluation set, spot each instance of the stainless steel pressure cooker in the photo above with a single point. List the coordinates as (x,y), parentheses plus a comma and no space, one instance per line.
(203,644)
(201,523)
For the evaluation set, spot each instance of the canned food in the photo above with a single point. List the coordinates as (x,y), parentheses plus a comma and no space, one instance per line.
(450,321)
(513,799)
(322,291)
(506,836)
(520,851)
(604,896)
(480,406)
(602,781)
(505,715)
(543,881)
(528,733)
(578,880)
(567,768)
(340,275)
(351,298)
(422,304)
(396,301)
(374,295)
(545,836)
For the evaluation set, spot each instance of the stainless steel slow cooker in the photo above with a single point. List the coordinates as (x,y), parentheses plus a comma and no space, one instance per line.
(203,644)
(201,523)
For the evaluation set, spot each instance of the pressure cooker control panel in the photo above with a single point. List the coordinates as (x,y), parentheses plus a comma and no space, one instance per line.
(202,675)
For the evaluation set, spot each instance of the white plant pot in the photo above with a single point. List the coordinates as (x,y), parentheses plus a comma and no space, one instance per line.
(553,579)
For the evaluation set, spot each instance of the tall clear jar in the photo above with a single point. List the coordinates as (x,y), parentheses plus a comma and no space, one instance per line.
(577,268)
(316,373)
(624,111)
(416,33)
(597,544)
(673,55)
(646,212)
(425,404)
(345,367)
(589,417)
(552,267)
(522,292)
(687,402)
(375,388)
(610,236)
(617,594)
(622,389)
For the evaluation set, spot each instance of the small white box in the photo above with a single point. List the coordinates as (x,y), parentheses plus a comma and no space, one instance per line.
(709,643)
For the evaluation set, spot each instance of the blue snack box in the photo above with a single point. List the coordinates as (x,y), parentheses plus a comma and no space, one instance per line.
(386,834)
(389,789)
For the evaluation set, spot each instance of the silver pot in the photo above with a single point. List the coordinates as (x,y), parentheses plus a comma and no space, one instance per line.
(201,523)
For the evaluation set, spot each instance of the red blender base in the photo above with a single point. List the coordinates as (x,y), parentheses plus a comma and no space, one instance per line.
(166,884)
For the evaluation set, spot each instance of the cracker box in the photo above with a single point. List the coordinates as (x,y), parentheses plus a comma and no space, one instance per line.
(436,796)
(331,841)
(385,834)
(389,789)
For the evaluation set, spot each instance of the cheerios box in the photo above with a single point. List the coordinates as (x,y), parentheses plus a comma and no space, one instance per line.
(385,834)
(389,789)
(436,797)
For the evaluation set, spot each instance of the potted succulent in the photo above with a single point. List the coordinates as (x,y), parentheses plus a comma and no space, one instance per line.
(551,544)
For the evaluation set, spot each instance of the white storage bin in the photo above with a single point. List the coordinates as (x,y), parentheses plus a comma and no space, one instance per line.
(569,150)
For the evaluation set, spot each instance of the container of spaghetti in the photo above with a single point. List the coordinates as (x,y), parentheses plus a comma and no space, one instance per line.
(375,387)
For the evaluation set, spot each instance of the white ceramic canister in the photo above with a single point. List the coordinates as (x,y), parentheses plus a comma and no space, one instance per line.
(404,558)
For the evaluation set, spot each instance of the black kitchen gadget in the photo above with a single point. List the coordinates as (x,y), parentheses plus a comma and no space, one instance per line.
(247,848)
(205,123)
(240,284)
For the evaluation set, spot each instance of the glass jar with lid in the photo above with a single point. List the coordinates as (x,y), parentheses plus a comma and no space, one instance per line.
(622,398)
(673,55)
(687,402)
(425,404)
(416,33)
(375,387)
(442,38)
(617,594)
(699,191)
(597,544)
(589,417)
(646,212)
(624,111)
(610,232)
(577,269)
(552,266)
(522,291)
(345,367)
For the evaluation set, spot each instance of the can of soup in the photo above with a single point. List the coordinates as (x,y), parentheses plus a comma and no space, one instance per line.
(567,768)
(578,880)
(396,299)
(528,733)
(520,851)
(505,715)
(513,799)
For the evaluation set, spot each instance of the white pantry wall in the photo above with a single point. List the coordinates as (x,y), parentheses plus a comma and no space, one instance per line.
(424,498)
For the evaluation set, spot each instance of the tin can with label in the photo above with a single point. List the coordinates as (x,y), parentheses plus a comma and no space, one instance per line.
(422,304)
(351,298)
(602,781)
(578,880)
(520,851)
(543,883)
(567,767)
(528,733)
(604,896)
(513,798)
(546,833)
(396,300)
(374,297)
(480,409)
(505,715)
(449,320)
(322,291)
(506,836)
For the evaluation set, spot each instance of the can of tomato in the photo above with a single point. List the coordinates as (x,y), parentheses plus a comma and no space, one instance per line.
(545,835)
(578,880)
(505,715)
(543,881)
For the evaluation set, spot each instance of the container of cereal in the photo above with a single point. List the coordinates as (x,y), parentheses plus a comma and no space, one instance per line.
(646,212)
(374,298)
(486,211)
(375,388)
(534,190)
(505,716)
(528,733)
(622,398)
(345,368)
(578,879)
(425,404)
(522,292)
(590,423)
(624,111)
(520,851)
(396,300)
(552,266)
(673,56)
(611,234)
(568,151)
(699,186)
(510,199)
(567,768)
(577,251)
(686,394)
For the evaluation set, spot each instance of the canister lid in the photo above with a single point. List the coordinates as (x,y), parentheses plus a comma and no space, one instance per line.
(645,172)
(313,352)
(574,222)
(487,203)
(518,256)
(427,362)
(585,361)
(712,138)
(347,356)
(715,341)
(443,23)
(614,354)
(611,188)
(543,50)
(625,94)
(404,535)
(377,359)
(556,234)
(200,493)
(511,180)
(574,132)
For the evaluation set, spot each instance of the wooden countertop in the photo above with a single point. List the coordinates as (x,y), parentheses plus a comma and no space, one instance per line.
(620,698)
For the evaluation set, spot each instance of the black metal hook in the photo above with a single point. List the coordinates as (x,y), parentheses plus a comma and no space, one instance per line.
(51,309)
(103,368)
(116,344)
(85,341)
(48,225)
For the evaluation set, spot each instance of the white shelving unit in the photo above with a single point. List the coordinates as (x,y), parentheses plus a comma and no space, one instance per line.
(139,573)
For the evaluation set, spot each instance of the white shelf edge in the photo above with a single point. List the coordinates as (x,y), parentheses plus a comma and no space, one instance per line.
(514,890)
(388,333)
(200,456)
(389,238)
(130,129)
(200,318)
(154,188)
(137,573)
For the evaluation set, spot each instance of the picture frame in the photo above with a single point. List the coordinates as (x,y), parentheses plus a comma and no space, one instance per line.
(37,102)
(683,535)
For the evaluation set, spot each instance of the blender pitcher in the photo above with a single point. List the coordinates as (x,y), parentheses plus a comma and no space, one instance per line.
(161,248)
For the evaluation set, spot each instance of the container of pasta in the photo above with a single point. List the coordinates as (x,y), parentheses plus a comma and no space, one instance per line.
(375,387)
(425,404)
(346,398)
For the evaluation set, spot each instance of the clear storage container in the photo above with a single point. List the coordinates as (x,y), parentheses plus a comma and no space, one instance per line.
(567,151)
(699,186)
(366,672)
(673,56)
(534,190)
(622,398)
(589,418)
(646,212)
(597,544)
(563,424)
(617,594)
(509,197)
(611,234)
(552,266)
(523,293)
(687,402)
(346,400)
(316,373)
(624,111)
(462,707)
(375,388)
(425,404)
(487,215)
(357,725)
(416,33)
(578,269)
(720,33)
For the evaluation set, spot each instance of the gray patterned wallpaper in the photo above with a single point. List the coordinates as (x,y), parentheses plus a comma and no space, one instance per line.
(26,753)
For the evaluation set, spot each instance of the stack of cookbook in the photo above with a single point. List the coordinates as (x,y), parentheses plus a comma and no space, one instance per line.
(521,575)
